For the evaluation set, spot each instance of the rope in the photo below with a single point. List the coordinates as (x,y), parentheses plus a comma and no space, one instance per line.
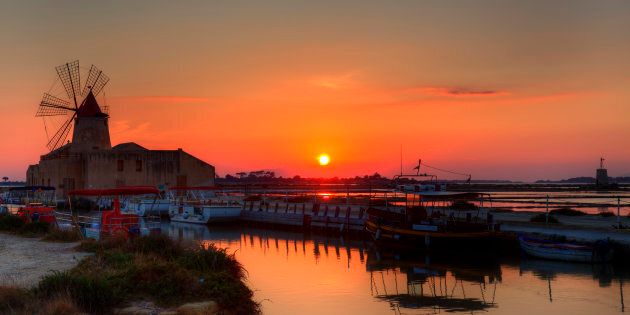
(46,129)
(443,170)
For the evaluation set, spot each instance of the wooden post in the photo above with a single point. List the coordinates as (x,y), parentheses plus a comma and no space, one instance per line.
(547,215)
(619,212)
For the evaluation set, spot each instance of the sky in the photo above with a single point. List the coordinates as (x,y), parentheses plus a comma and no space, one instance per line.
(518,90)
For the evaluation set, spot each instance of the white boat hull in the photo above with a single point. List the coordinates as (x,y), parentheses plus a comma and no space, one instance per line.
(145,208)
(204,214)
(563,254)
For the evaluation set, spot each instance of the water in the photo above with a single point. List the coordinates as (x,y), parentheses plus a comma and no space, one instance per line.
(292,273)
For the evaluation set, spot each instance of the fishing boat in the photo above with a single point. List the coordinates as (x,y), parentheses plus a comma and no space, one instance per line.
(107,220)
(598,252)
(421,214)
(203,205)
(419,226)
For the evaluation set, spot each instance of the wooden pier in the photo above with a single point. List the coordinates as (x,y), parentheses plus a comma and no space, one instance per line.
(306,216)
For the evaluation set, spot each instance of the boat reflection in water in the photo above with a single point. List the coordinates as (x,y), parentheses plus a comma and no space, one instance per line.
(296,273)
(434,282)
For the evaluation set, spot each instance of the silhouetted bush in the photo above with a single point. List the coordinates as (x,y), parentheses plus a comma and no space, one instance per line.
(542,218)
(464,205)
(567,212)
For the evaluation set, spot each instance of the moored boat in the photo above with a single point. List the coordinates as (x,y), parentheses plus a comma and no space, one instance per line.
(598,252)
(107,220)
(420,218)
(203,205)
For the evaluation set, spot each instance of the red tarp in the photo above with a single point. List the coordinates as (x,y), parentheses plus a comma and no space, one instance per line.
(138,190)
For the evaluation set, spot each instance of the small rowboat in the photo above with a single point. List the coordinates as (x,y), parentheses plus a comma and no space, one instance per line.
(598,252)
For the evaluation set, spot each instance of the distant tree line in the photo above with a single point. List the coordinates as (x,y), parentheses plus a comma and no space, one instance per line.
(586,180)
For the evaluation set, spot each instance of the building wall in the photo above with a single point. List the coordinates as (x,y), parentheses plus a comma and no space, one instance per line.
(601,177)
(64,173)
(113,168)
(154,168)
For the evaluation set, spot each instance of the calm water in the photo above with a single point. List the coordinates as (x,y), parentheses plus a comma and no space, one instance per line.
(292,273)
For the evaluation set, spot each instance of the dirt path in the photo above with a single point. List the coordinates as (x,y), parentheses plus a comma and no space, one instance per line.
(23,261)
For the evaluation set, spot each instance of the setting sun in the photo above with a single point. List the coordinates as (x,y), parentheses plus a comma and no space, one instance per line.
(323,159)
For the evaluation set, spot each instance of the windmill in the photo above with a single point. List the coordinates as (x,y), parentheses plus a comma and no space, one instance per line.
(70,77)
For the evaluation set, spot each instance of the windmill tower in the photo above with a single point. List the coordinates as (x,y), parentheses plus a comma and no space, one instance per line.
(87,119)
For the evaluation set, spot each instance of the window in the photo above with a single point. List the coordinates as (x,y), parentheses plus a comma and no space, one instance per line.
(138,165)
(121,165)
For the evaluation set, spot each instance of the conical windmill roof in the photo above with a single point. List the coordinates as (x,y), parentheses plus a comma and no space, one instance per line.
(89,107)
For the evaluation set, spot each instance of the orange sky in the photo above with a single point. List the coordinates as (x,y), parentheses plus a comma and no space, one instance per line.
(502,90)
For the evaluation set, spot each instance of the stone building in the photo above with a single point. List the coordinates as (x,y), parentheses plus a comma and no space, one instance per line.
(90,161)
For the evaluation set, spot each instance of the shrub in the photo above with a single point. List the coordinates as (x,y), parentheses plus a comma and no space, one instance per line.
(211,258)
(156,268)
(157,244)
(10,222)
(12,299)
(89,293)
(60,305)
(166,282)
(542,218)
(606,214)
(34,228)
(230,294)
(93,246)
(65,235)
(567,212)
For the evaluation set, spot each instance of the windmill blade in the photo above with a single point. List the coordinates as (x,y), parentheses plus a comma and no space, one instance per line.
(71,79)
(96,81)
(60,136)
(53,106)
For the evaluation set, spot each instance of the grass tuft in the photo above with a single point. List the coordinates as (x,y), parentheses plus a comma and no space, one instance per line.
(67,235)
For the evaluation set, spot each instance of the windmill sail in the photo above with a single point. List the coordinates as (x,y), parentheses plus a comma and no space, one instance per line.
(53,106)
(96,81)
(61,135)
(71,79)
(69,74)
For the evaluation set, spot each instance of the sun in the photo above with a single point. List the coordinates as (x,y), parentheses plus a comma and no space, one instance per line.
(323,159)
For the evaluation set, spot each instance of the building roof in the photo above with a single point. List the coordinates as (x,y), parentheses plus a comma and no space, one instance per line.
(64,149)
(90,108)
(129,146)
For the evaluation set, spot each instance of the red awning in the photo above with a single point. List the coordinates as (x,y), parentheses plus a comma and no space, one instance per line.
(125,191)
(193,188)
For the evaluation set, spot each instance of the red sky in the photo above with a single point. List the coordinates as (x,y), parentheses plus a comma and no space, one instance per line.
(502,90)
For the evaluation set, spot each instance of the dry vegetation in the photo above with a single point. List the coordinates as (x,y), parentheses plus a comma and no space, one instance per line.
(153,268)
